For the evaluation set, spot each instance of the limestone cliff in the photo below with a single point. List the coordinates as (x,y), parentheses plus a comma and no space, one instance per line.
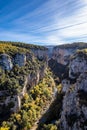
(62,53)
(40,54)
(78,64)
(22,66)
(74,109)
(20,69)
(6,62)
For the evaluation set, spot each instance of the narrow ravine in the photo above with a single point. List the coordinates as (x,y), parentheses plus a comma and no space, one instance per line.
(45,110)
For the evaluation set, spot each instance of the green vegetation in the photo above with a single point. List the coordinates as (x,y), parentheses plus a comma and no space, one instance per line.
(14,79)
(50,127)
(10,49)
(12,83)
(38,96)
(4,128)
(52,116)
(83,51)
(24,45)
(33,103)
(80,54)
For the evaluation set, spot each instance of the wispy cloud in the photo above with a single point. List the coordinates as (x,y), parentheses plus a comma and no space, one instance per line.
(45,21)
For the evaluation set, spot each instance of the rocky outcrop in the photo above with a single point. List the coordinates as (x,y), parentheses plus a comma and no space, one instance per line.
(30,57)
(59,60)
(35,74)
(40,54)
(63,52)
(74,113)
(65,85)
(33,79)
(62,56)
(20,59)
(74,109)
(6,62)
(78,64)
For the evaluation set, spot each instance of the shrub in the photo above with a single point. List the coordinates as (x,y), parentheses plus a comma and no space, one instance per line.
(50,127)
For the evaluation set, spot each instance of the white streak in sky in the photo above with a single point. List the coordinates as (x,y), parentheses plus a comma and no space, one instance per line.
(53,22)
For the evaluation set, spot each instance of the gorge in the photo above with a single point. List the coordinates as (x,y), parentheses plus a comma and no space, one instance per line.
(34,78)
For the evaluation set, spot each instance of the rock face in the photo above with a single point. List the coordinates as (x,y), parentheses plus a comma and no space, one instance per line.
(74,110)
(66,85)
(33,79)
(20,59)
(62,55)
(30,57)
(74,114)
(6,62)
(78,64)
(36,73)
(40,54)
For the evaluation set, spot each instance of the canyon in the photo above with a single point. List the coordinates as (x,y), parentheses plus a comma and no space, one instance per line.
(27,66)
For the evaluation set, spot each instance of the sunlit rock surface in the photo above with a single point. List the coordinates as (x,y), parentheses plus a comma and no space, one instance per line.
(20,59)
(74,109)
(6,62)
(78,64)
(62,55)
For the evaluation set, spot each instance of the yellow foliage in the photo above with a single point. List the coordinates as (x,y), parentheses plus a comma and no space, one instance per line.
(25,105)
(8,48)
(26,96)
(53,128)
(4,128)
(33,104)
(18,117)
(83,50)
(32,91)
(59,88)
(50,127)
(30,113)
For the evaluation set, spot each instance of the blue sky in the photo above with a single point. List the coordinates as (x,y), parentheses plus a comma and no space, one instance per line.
(43,22)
